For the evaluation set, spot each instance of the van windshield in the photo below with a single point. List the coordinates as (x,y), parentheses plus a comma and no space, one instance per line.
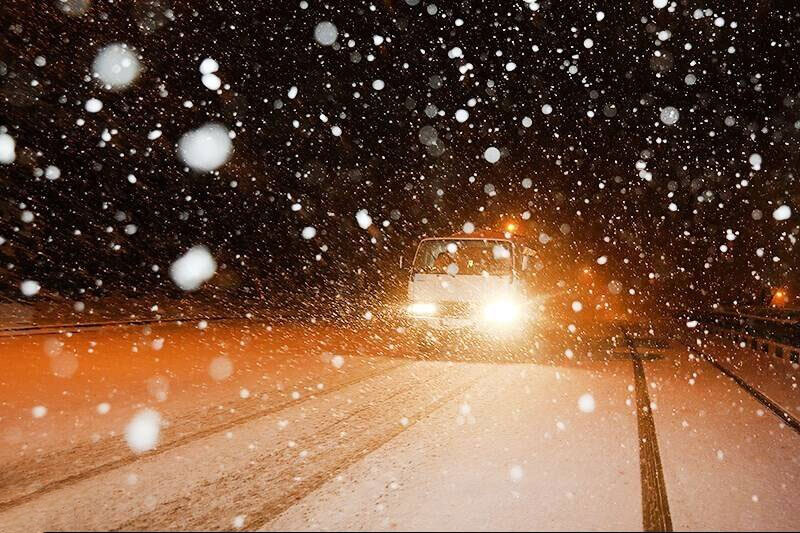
(464,257)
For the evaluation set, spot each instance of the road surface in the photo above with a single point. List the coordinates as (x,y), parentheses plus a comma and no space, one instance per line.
(314,426)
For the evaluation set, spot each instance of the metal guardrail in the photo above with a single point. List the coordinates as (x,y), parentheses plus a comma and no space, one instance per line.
(50,329)
(782,351)
(757,323)
(773,331)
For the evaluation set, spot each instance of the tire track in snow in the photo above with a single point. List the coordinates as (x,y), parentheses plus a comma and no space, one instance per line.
(333,449)
(655,504)
(8,478)
(783,414)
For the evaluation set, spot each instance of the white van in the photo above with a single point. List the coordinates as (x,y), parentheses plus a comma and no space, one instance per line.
(473,283)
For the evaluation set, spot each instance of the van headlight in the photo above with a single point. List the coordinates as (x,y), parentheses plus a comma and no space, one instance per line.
(502,312)
(421,309)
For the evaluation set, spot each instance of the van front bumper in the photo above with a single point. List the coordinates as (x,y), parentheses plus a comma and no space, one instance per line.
(472,328)
(443,323)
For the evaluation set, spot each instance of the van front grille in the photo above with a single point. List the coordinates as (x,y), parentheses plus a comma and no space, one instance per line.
(455,309)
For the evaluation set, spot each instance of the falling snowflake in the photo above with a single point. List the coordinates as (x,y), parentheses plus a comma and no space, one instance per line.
(143,430)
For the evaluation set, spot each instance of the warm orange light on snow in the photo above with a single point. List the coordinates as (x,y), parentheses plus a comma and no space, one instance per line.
(780,297)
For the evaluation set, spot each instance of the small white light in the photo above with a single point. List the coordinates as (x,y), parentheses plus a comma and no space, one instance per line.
(422,308)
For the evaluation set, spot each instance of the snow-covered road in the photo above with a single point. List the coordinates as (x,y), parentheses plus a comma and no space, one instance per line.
(297,427)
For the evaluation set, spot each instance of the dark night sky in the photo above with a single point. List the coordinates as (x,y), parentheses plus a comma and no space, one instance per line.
(581,159)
